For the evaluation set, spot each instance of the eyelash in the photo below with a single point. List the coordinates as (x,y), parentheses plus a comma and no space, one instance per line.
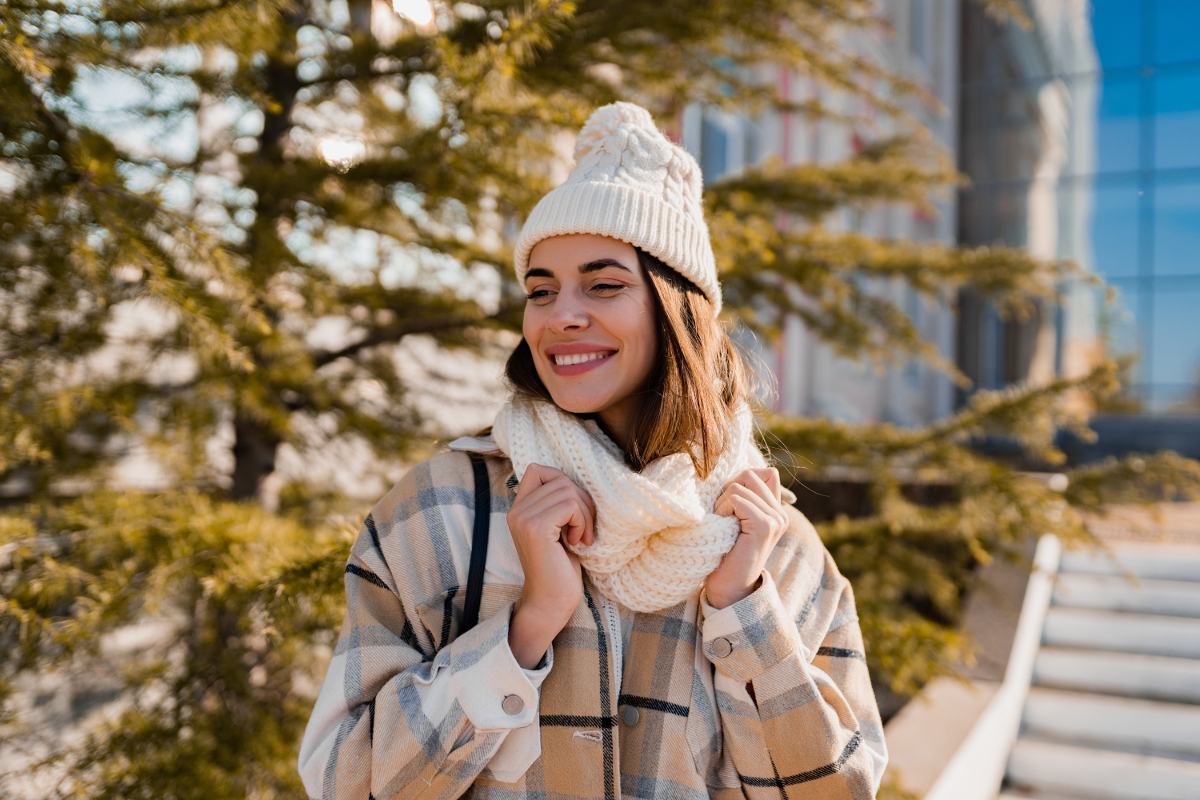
(534,295)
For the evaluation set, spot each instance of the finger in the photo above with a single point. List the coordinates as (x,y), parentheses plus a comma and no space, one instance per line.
(769,476)
(772,509)
(755,481)
(589,506)
(773,520)
(751,517)
(560,510)
(587,510)
(553,486)
(536,475)
(763,504)
(722,506)
(577,521)
(545,499)
(764,531)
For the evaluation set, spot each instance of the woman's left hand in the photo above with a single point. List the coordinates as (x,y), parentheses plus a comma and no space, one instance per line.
(754,498)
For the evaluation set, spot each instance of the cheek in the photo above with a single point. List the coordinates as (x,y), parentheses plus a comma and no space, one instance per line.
(531,330)
(530,327)
(646,335)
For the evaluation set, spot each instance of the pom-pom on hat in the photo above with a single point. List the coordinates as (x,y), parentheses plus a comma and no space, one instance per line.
(630,182)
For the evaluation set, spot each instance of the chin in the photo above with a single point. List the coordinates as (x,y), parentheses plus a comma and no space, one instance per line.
(576,404)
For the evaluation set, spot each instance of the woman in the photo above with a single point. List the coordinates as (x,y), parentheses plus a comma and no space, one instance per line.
(655,620)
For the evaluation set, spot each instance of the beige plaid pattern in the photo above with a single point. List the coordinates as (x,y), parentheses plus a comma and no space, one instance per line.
(411,710)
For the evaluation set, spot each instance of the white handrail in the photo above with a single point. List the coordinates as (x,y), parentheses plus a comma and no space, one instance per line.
(976,769)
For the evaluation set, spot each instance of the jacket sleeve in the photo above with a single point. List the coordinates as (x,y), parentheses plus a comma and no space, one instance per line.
(392,721)
(811,729)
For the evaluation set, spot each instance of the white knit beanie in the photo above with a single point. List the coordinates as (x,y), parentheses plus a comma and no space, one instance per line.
(630,182)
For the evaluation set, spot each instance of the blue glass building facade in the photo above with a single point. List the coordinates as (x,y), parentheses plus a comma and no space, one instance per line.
(1081,137)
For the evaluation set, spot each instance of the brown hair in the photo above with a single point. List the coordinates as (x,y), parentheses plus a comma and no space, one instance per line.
(697,381)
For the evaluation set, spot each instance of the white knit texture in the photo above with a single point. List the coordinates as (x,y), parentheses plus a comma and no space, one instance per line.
(630,182)
(657,537)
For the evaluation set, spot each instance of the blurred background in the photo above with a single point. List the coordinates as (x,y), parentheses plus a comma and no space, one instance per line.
(255,262)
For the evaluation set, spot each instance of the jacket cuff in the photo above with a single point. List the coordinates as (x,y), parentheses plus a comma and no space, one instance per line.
(751,636)
(494,691)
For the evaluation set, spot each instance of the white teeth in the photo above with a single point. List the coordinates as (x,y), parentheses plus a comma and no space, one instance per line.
(566,361)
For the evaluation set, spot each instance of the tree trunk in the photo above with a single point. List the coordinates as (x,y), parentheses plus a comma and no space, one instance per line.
(254,445)
(254,457)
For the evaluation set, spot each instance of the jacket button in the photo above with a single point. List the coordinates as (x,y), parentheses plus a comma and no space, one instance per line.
(722,648)
(629,715)
(512,705)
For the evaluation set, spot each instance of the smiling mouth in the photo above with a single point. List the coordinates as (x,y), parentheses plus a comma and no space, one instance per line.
(580,358)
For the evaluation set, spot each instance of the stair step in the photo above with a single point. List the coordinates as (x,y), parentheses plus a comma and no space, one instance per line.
(1101,774)
(1156,677)
(1171,730)
(1025,794)
(1156,562)
(1118,593)
(1128,633)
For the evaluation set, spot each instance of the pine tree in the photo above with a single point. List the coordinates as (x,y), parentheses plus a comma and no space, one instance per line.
(327,161)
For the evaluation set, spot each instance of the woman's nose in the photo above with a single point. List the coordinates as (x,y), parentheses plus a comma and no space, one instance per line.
(567,314)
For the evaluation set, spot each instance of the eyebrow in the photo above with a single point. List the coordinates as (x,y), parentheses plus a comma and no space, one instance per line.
(584,269)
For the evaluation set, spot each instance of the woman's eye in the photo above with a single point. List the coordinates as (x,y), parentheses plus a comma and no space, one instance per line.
(607,287)
(538,294)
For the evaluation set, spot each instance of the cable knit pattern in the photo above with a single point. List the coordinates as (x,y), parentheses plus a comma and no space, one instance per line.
(657,537)
(632,183)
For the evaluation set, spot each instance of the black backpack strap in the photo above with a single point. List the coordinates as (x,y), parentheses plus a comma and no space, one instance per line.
(479,543)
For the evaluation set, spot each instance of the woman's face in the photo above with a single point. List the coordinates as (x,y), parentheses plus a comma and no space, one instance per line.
(590,322)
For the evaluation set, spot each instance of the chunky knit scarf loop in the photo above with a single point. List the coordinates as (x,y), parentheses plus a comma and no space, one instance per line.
(657,537)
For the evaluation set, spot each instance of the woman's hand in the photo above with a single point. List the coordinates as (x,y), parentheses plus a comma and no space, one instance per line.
(549,512)
(754,497)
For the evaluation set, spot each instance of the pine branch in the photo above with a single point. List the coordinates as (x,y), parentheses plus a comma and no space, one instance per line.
(891,170)
(1029,415)
(168,12)
(392,334)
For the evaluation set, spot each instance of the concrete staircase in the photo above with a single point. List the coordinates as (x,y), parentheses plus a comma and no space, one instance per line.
(1113,712)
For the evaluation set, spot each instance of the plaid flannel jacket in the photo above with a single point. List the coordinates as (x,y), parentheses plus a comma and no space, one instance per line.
(410,710)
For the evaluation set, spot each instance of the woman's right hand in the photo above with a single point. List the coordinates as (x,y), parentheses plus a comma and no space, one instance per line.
(549,512)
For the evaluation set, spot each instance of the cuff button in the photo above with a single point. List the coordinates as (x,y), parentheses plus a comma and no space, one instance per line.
(512,705)
(722,648)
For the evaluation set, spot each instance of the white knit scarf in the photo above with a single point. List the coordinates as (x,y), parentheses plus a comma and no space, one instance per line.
(657,537)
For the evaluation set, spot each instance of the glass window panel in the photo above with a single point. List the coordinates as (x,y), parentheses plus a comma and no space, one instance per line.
(1117,124)
(1175,339)
(981,123)
(1084,100)
(1115,228)
(1177,118)
(1176,24)
(1003,131)
(1173,398)
(995,215)
(1010,215)
(714,150)
(1076,212)
(975,216)
(1117,26)
(1119,326)
(918,28)
(1177,231)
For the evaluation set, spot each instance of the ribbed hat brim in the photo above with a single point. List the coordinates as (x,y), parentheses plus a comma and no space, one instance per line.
(624,213)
